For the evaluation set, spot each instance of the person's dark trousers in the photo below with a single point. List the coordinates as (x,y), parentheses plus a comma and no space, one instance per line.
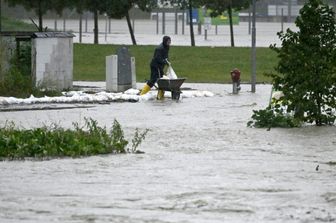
(155,75)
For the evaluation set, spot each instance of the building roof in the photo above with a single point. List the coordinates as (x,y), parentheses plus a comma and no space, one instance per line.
(53,35)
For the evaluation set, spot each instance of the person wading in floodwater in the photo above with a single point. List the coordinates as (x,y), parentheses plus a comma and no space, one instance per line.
(160,59)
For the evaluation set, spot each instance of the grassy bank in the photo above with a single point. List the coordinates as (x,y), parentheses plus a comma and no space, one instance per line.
(198,64)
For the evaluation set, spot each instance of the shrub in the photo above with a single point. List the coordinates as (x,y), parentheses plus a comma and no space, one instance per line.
(306,72)
(272,117)
(54,141)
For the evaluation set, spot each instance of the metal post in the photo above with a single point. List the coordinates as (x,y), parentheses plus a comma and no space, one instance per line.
(282,20)
(55,24)
(249,21)
(205,34)
(133,25)
(289,11)
(64,24)
(80,27)
(0,16)
(157,23)
(109,25)
(199,28)
(253,56)
(86,22)
(216,29)
(183,23)
(176,21)
(106,25)
(163,23)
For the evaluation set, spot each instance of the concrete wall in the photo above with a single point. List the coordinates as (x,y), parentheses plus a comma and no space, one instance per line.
(53,63)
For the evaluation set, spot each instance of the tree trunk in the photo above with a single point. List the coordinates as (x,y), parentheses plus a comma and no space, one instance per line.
(40,17)
(191,25)
(319,110)
(231,25)
(95,29)
(130,29)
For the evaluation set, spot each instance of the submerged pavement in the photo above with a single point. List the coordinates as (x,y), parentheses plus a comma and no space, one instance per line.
(201,164)
(117,32)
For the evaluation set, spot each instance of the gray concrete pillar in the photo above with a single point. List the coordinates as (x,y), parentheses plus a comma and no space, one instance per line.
(133,73)
(112,73)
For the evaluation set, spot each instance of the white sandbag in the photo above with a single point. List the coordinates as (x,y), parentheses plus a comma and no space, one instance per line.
(171,73)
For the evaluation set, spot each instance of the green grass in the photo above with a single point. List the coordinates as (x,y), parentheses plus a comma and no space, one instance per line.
(9,24)
(197,64)
(52,142)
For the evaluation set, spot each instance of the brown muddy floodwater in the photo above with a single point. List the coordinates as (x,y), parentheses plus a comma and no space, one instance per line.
(201,164)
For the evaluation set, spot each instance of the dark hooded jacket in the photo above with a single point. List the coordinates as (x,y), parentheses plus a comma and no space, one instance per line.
(161,54)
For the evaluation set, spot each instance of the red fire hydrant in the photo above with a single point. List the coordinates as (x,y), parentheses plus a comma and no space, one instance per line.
(235,76)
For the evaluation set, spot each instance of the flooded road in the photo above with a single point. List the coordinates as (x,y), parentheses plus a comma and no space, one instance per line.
(201,164)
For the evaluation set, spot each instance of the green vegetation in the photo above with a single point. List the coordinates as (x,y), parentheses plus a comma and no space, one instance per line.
(197,64)
(15,84)
(272,117)
(17,81)
(306,72)
(52,142)
(9,24)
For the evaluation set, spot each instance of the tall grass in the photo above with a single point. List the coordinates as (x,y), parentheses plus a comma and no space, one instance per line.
(54,141)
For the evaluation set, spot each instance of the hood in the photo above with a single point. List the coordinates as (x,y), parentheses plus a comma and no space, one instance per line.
(165,40)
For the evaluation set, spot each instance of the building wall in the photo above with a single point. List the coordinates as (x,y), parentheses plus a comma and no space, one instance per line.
(53,63)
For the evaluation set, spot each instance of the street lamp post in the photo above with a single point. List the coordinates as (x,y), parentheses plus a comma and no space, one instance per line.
(0,17)
(253,54)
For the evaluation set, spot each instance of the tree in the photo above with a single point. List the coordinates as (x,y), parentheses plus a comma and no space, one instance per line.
(144,5)
(96,7)
(218,7)
(189,5)
(40,7)
(120,8)
(306,73)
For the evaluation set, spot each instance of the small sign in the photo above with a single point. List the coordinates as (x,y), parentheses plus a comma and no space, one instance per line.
(207,23)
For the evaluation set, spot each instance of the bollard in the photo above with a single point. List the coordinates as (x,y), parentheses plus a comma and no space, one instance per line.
(235,76)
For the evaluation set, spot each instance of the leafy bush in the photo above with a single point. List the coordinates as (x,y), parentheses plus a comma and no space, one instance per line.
(50,142)
(272,117)
(306,72)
